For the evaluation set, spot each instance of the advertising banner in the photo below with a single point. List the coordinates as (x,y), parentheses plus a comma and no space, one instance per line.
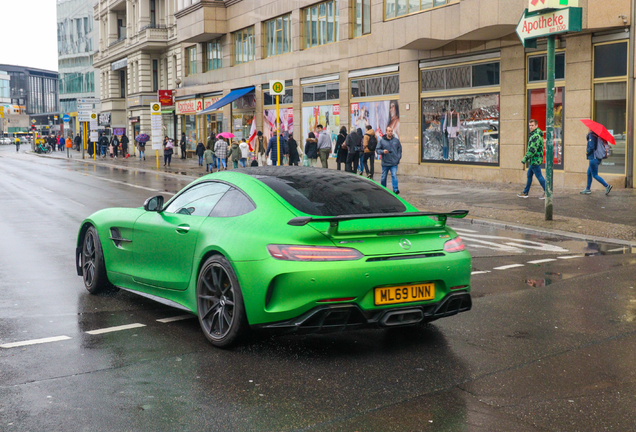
(379,115)
(324,115)
(286,122)
(165,98)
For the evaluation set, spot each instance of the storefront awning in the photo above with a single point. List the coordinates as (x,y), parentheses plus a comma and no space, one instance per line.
(231,97)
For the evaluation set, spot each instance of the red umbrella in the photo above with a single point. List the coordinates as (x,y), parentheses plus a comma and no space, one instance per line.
(599,130)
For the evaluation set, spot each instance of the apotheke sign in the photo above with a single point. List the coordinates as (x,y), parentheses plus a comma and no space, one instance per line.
(549,23)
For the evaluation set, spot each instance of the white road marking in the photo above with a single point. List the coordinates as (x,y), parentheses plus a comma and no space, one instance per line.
(134,185)
(75,202)
(542,261)
(461,230)
(35,341)
(617,249)
(509,244)
(480,272)
(506,267)
(175,318)
(571,256)
(114,329)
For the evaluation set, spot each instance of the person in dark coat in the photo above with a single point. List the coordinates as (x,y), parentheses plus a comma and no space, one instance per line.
(341,150)
(354,147)
(272,149)
(124,145)
(199,151)
(183,145)
(311,149)
(114,141)
(292,147)
(78,142)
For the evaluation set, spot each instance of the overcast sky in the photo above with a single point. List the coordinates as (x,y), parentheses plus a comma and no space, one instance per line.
(29,33)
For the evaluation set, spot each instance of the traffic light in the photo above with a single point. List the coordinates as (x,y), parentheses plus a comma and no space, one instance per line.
(33,127)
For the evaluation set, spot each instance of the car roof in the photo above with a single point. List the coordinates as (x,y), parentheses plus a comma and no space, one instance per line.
(320,174)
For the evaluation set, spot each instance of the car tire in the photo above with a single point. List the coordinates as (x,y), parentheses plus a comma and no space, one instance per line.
(93,266)
(220,306)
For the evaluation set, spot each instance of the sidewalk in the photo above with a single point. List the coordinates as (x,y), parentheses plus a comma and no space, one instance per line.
(597,215)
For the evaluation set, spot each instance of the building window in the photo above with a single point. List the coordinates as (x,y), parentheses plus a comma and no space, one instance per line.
(538,68)
(278,35)
(375,86)
(321,24)
(243,45)
(468,76)
(287,98)
(398,8)
(321,92)
(155,75)
(610,100)
(122,83)
(362,17)
(537,110)
(213,55)
(191,60)
(153,19)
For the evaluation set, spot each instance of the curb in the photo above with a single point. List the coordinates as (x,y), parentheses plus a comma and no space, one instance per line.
(543,231)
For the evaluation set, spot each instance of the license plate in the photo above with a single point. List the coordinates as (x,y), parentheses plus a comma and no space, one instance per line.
(404,294)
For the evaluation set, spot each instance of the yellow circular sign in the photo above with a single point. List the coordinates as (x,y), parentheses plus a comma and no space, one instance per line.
(94,116)
(156,107)
(277,87)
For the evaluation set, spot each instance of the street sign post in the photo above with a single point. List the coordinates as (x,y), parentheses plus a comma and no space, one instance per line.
(277,88)
(94,134)
(156,128)
(549,22)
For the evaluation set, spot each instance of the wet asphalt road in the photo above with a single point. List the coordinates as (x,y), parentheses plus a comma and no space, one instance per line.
(548,346)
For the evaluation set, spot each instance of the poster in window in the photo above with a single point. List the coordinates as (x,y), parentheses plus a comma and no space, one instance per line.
(379,115)
(286,122)
(462,129)
(324,115)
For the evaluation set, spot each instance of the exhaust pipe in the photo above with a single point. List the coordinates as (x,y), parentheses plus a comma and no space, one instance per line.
(402,317)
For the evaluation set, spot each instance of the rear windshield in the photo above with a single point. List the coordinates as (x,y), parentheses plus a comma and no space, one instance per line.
(333,195)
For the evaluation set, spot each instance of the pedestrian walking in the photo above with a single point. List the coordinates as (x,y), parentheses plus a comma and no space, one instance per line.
(595,154)
(167,152)
(534,158)
(272,149)
(77,142)
(61,142)
(261,149)
(211,140)
(311,149)
(183,145)
(390,149)
(142,150)
(114,141)
(69,145)
(294,151)
(324,145)
(209,157)
(17,144)
(103,144)
(369,144)
(341,149)
(124,145)
(221,151)
(199,151)
(235,153)
(245,153)
(354,147)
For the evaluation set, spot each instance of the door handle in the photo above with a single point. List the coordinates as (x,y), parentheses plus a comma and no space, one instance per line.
(183,229)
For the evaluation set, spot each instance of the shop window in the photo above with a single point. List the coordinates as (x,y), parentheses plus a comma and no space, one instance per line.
(467,135)
(321,23)
(213,55)
(398,8)
(538,67)
(243,45)
(278,35)
(610,106)
(321,92)
(477,75)
(537,110)
(610,60)
(377,114)
(362,17)
(375,86)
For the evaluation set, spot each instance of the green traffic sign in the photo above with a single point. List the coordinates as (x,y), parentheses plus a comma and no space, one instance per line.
(536,25)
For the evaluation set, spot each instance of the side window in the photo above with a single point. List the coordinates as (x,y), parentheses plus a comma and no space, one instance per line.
(233,203)
(199,200)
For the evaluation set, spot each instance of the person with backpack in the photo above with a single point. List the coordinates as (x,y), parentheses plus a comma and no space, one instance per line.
(369,144)
(597,150)
(208,155)
(353,143)
(341,150)
(534,158)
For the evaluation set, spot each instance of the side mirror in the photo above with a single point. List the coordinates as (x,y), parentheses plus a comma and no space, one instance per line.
(154,204)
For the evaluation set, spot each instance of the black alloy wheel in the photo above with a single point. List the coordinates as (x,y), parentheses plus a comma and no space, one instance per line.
(93,267)
(220,303)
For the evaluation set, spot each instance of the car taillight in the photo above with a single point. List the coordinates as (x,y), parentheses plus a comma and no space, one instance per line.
(454,245)
(312,253)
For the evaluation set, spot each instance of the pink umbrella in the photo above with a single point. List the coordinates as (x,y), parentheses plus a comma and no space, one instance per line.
(226,135)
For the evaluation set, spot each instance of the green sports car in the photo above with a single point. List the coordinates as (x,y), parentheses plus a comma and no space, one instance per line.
(282,248)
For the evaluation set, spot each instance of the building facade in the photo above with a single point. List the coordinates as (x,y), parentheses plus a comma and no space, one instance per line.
(35,93)
(412,65)
(139,55)
(77,41)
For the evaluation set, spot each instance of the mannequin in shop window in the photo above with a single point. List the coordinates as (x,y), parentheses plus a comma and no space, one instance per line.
(452,124)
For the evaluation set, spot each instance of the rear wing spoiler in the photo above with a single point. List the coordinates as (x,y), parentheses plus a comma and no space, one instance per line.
(335,220)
